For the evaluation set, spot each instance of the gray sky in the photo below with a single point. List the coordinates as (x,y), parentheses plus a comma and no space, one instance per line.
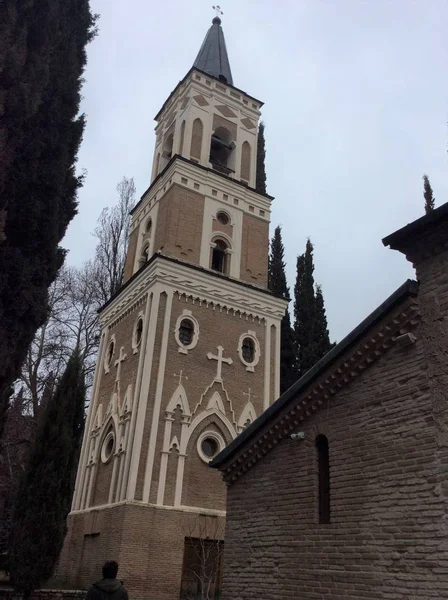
(356,110)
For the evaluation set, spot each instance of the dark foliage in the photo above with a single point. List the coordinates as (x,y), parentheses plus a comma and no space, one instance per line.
(42,51)
(277,285)
(428,195)
(45,492)
(260,180)
(311,337)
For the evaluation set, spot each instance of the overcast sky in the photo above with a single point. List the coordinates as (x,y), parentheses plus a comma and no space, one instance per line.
(356,110)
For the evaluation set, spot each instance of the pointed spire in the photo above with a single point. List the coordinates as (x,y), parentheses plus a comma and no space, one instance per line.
(212,57)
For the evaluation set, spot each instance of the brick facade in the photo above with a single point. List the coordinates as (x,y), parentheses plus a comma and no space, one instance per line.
(254,254)
(179,224)
(146,541)
(386,425)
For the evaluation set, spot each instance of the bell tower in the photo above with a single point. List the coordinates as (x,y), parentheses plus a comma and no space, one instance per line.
(190,346)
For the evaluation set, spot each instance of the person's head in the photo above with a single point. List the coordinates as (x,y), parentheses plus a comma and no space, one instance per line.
(110,570)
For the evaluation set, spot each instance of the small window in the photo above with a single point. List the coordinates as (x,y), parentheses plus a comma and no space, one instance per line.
(139,332)
(209,447)
(219,253)
(323,463)
(223,218)
(248,350)
(110,353)
(148,227)
(108,447)
(186,331)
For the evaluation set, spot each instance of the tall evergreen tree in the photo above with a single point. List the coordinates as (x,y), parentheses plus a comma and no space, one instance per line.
(311,338)
(43,58)
(322,335)
(260,180)
(277,285)
(45,492)
(428,195)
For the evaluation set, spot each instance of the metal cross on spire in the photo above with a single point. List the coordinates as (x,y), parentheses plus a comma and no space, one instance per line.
(218,10)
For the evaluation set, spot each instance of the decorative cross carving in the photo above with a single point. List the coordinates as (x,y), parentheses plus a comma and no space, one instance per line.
(217,10)
(180,375)
(117,363)
(248,394)
(219,357)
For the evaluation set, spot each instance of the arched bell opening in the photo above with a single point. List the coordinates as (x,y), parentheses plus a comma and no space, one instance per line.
(222,151)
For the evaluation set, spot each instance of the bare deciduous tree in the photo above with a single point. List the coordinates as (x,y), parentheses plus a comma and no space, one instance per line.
(72,321)
(202,568)
(112,232)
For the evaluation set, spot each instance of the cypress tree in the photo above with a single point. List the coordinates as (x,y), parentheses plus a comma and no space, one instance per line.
(428,195)
(322,336)
(311,338)
(43,58)
(260,180)
(45,492)
(277,285)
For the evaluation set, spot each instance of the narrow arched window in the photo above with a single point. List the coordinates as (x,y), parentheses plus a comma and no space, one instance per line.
(323,462)
(219,257)
(196,139)
(182,136)
(245,162)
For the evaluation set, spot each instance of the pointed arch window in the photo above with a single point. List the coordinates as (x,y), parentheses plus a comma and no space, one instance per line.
(323,463)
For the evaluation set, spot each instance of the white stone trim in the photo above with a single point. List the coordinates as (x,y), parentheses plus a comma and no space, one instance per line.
(267,365)
(198,420)
(135,343)
(187,509)
(82,472)
(143,394)
(157,399)
(146,345)
(186,315)
(226,293)
(248,413)
(277,361)
(250,366)
(109,436)
(108,363)
(214,436)
(207,180)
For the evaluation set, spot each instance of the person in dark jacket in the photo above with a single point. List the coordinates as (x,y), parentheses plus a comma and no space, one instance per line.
(109,588)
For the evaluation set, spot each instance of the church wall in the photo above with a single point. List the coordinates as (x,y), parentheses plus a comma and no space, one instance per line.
(179,224)
(215,328)
(122,333)
(254,253)
(123,337)
(387,530)
(204,486)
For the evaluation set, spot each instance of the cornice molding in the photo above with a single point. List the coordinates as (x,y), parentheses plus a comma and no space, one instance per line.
(195,285)
(352,364)
(180,167)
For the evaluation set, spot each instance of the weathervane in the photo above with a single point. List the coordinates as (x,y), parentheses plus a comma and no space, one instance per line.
(218,10)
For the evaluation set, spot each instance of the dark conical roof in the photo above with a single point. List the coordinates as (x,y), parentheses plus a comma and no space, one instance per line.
(212,57)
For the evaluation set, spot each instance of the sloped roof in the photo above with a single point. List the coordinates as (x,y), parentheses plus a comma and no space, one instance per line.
(289,398)
(212,57)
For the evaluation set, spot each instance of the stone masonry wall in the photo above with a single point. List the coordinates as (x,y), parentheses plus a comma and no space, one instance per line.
(387,534)
(146,541)
(8,594)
